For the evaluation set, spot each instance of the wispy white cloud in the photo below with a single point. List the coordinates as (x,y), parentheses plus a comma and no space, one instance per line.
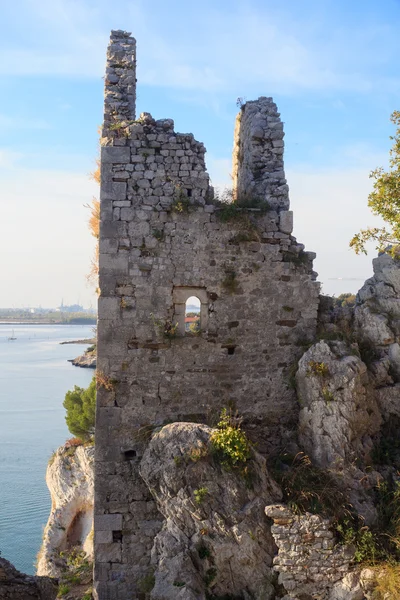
(240,48)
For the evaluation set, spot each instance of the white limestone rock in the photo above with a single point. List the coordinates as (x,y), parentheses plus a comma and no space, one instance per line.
(377,315)
(69,478)
(339,414)
(226,537)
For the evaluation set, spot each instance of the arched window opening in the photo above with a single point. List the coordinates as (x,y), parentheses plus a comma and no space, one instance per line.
(192,315)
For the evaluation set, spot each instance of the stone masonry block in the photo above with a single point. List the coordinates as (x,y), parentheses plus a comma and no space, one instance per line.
(108,552)
(107,523)
(108,417)
(286,221)
(101,571)
(115,154)
(107,307)
(113,190)
(103,537)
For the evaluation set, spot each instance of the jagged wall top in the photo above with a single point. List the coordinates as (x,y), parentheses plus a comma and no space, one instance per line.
(120,81)
(258,170)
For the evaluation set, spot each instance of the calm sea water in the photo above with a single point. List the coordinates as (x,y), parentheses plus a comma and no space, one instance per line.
(34,377)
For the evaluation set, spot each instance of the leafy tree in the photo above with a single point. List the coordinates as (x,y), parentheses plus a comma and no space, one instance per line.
(80,404)
(346,299)
(384,201)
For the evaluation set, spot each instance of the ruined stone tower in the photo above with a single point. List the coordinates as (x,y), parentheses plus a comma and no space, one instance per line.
(163,239)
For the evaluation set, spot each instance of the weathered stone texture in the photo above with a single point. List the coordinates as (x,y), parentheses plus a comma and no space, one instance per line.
(120,81)
(15,585)
(226,531)
(258,154)
(69,478)
(161,241)
(339,415)
(309,561)
(377,314)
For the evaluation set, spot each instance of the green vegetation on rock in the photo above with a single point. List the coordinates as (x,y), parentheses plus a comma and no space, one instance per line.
(80,404)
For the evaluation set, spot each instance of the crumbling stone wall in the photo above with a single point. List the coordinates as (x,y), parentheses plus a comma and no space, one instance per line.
(309,561)
(258,170)
(162,240)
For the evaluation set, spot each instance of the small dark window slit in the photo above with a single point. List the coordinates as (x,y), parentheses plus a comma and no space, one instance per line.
(189,193)
(129,454)
(231,350)
(117,536)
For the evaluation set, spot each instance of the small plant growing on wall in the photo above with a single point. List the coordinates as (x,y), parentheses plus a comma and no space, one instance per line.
(320,369)
(120,128)
(158,234)
(181,201)
(200,495)
(194,328)
(165,327)
(229,441)
(105,382)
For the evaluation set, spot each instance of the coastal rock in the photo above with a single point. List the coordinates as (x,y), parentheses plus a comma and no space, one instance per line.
(87,360)
(15,585)
(69,478)
(339,414)
(215,538)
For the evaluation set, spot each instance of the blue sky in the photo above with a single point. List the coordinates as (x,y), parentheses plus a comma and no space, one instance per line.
(331,66)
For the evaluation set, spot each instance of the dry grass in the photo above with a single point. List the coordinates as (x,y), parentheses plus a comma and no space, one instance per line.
(387,582)
(105,381)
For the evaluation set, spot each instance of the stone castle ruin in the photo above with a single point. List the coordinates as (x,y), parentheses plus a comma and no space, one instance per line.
(162,241)
(164,238)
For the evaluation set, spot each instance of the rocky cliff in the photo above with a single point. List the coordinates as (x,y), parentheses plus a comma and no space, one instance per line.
(69,478)
(15,585)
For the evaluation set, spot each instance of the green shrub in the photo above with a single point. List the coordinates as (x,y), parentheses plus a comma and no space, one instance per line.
(230,442)
(200,495)
(166,327)
(62,590)
(320,369)
(80,404)
(351,530)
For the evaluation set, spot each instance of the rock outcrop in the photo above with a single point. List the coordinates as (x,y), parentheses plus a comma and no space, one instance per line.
(15,585)
(87,360)
(216,539)
(69,478)
(377,316)
(339,414)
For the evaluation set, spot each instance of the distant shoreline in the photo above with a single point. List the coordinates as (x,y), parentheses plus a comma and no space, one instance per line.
(86,341)
(85,322)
